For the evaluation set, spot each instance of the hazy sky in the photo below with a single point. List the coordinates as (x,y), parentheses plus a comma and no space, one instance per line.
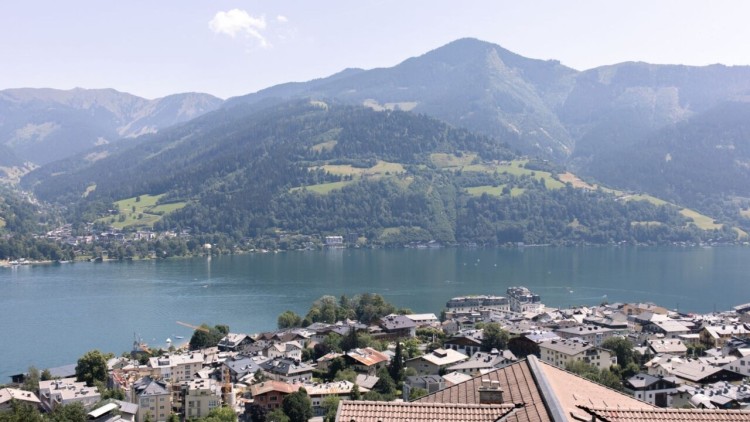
(154,48)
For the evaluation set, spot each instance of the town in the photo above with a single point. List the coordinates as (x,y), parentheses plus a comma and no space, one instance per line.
(362,359)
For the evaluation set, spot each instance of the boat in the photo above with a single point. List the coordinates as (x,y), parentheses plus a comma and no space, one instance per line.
(179,337)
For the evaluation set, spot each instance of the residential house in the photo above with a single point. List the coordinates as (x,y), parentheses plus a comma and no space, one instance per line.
(397,326)
(740,366)
(435,362)
(481,362)
(176,368)
(717,335)
(366,360)
(287,370)
(592,334)
(424,320)
(154,399)
(200,396)
(651,389)
(9,394)
(639,308)
(689,370)
(114,411)
(521,299)
(429,383)
(319,392)
(288,350)
(467,342)
(669,346)
(240,366)
(56,392)
(560,353)
(268,395)
(234,342)
(670,329)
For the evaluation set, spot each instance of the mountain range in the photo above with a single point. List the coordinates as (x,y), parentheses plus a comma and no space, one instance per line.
(675,131)
(44,125)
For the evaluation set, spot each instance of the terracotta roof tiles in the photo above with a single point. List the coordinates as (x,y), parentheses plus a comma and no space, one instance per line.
(376,411)
(667,415)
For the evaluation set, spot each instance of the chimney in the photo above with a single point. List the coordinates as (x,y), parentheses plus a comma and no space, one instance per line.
(490,392)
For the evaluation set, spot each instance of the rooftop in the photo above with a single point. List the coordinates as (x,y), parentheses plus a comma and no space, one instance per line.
(377,411)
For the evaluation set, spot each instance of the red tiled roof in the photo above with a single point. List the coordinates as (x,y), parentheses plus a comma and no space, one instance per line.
(518,387)
(667,415)
(378,411)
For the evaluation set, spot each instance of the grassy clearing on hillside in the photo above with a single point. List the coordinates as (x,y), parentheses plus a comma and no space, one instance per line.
(493,190)
(643,197)
(745,213)
(324,146)
(323,188)
(700,220)
(740,233)
(140,213)
(379,169)
(575,181)
(516,168)
(646,223)
(2,222)
(443,160)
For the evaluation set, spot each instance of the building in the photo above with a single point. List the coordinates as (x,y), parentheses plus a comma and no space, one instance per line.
(467,342)
(520,299)
(153,398)
(367,360)
(287,370)
(176,368)
(669,346)
(483,301)
(561,353)
(651,389)
(435,362)
(422,320)
(240,366)
(318,393)
(398,326)
(482,362)
(429,383)
(592,334)
(268,395)
(9,394)
(289,350)
(718,335)
(200,396)
(64,391)
(234,342)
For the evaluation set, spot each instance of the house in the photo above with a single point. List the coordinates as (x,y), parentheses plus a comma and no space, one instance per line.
(671,329)
(740,366)
(467,342)
(234,342)
(435,362)
(154,399)
(241,366)
(651,389)
(288,350)
(669,346)
(429,383)
(114,411)
(200,396)
(269,394)
(424,320)
(521,299)
(326,359)
(690,371)
(176,368)
(592,334)
(9,394)
(366,381)
(639,308)
(717,335)
(367,360)
(56,392)
(560,353)
(481,301)
(483,361)
(287,370)
(319,392)
(397,326)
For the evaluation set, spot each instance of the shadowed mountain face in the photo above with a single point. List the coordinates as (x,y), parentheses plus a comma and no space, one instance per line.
(44,125)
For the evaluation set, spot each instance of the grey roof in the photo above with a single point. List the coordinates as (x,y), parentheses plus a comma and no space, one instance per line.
(396,322)
(242,365)
(481,360)
(285,367)
(65,371)
(147,386)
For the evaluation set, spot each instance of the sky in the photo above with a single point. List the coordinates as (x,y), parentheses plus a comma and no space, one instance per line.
(234,47)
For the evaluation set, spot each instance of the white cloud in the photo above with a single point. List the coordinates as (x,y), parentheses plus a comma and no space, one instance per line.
(282,19)
(238,21)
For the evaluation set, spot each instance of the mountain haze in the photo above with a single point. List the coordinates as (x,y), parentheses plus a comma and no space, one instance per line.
(44,125)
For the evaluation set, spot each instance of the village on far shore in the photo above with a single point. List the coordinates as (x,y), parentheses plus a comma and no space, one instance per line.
(498,356)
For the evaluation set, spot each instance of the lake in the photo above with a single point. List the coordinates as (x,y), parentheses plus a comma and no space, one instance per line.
(53,314)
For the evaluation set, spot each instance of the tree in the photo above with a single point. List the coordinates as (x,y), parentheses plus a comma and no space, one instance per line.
(350,341)
(46,375)
(277,415)
(207,336)
(385,385)
(297,406)
(21,412)
(356,395)
(289,319)
(622,348)
(396,366)
(416,393)
(220,414)
(92,367)
(31,381)
(494,337)
(73,412)
(330,405)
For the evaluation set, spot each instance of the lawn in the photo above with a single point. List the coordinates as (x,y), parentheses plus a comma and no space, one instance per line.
(379,169)
(443,160)
(516,168)
(324,146)
(701,221)
(323,188)
(140,211)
